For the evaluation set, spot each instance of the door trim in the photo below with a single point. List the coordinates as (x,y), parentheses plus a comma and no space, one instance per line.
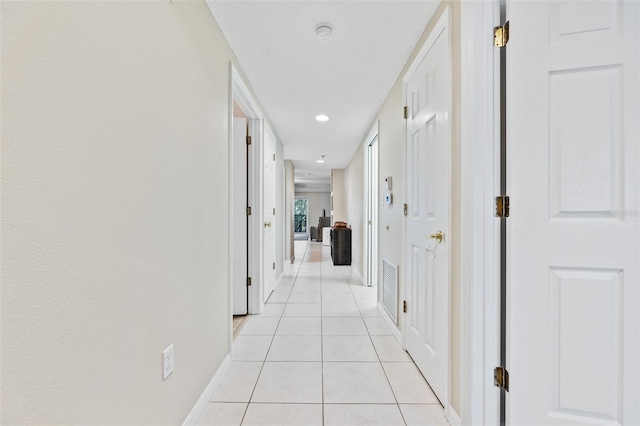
(240,93)
(480,233)
(443,24)
(371,136)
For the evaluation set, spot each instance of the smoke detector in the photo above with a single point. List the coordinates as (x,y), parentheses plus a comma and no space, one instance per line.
(324,31)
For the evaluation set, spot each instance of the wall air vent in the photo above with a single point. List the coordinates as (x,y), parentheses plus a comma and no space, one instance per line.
(390,288)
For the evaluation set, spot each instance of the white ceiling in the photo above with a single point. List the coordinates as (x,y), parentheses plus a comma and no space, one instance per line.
(296,76)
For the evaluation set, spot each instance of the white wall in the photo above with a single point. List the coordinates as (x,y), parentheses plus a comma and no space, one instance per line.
(356,211)
(115,205)
(391,136)
(317,202)
(338,196)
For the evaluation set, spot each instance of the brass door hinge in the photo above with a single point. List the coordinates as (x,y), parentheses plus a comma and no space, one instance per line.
(248,211)
(406,112)
(405,209)
(502,206)
(501,35)
(248,140)
(274,210)
(248,281)
(404,306)
(274,157)
(274,265)
(501,378)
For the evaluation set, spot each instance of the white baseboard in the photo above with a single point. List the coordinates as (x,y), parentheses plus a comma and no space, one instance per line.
(206,396)
(452,416)
(392,325)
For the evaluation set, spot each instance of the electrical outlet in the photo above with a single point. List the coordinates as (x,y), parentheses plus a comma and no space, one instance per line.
(167,362)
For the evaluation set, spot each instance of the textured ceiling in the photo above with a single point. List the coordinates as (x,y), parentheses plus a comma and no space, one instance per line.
(296,76)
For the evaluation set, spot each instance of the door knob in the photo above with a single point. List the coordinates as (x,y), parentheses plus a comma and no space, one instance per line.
(267,224)
(438,236)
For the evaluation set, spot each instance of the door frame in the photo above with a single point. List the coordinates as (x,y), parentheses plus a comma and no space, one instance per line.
(370,246)
(241,95)
(480,232)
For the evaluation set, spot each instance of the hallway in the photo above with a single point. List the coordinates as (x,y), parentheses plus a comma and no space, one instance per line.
(320,353)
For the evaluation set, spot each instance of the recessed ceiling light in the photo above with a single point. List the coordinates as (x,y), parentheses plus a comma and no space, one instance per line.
(322,117)
(324,31)
(321,160)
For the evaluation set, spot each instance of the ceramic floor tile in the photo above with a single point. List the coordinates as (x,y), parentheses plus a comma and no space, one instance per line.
(302,310)
(377,327)
(356,382)
(304,298)
(364,297)
(340,310)
(348,348)
(283,415)
(284,288)
(222,414)
(362,414)
(408,384)
(277,297)
(260,326)
(423,415)
(238,383)
(369,310)
(289,382)
(296,326)
(272,310)
(251,348)
(337,298)
(389,349)
(343,326)
(335,287)
(296,348)
(315,287)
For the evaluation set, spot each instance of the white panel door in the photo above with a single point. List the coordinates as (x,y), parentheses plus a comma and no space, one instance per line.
(269,205)
(239,231)
(428,151)
(573,273)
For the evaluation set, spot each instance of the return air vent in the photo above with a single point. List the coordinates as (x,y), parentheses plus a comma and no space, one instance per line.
(390,288)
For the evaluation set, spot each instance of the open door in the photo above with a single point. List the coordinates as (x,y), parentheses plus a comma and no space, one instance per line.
(240,255)
(269,213)
(573,118)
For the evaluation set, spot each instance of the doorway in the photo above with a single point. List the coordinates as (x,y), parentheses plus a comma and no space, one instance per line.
(427,92)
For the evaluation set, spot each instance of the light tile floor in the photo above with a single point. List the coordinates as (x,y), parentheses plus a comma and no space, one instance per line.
(321,354)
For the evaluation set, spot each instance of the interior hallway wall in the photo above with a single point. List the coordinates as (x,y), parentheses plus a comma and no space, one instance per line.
(115,209)
(391,145)
(356,210)
(317,202)
(289,197)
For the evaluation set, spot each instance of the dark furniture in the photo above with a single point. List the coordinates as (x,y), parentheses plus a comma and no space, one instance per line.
(316,231)
(341,246)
